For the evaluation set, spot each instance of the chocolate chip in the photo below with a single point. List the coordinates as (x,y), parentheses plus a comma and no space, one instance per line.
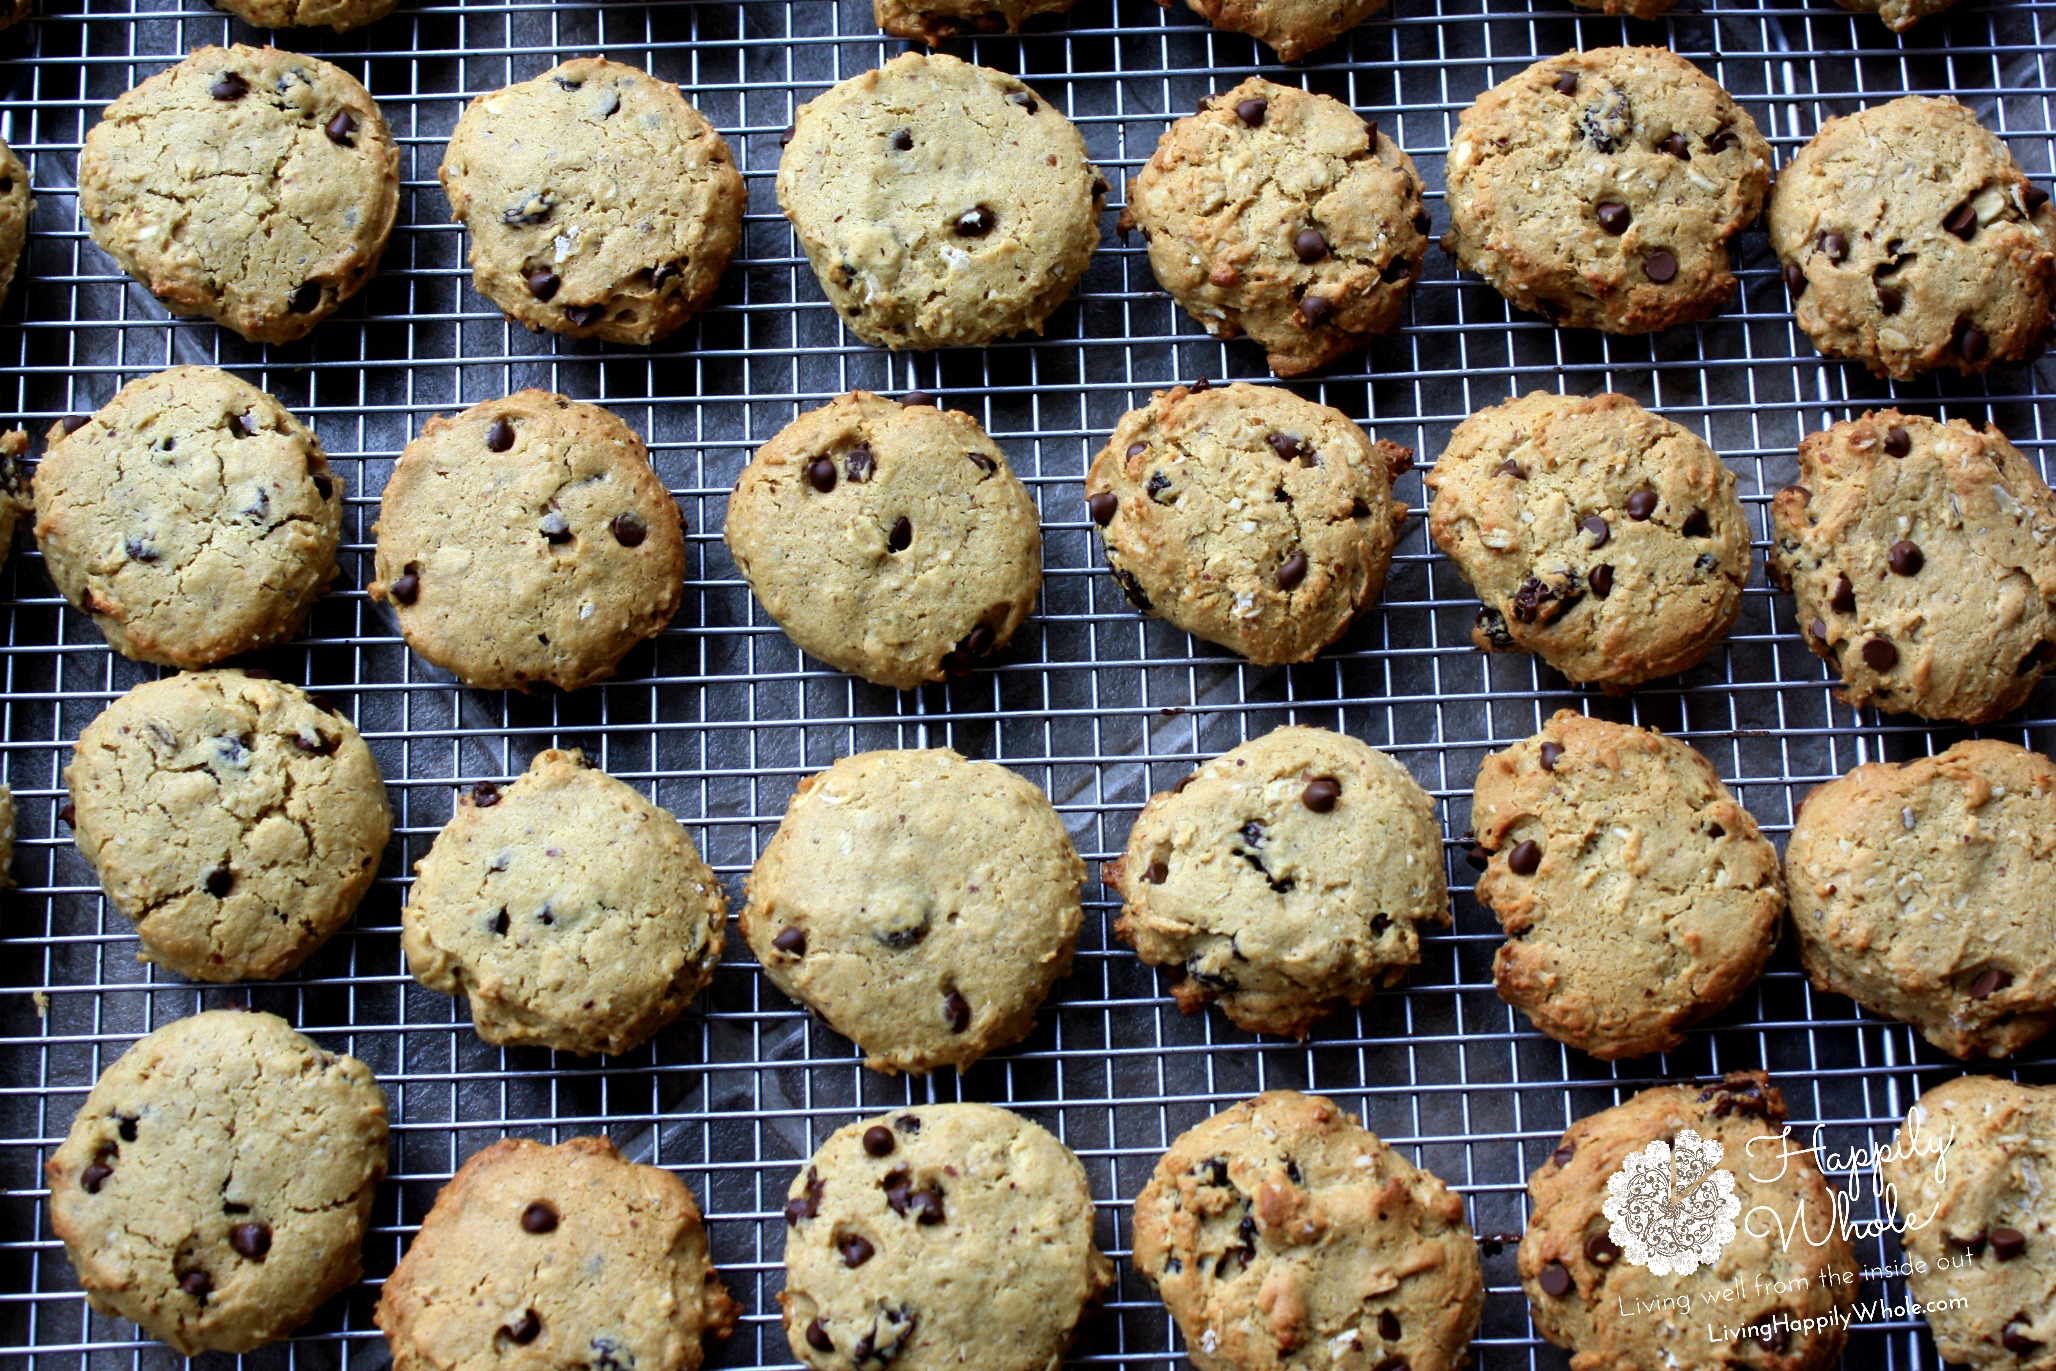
(500,924)
(916,397)
(1904,558)
(1555,1280)
(928,1210)
(1563,1154)
(1478,857)
(127,1128)
(1201,386)
(1795,278)
(1990,982)
(1292,571)
(878,1140)
(324,484)
(808,1203)
(1287,445)
(543,283)
(979,641)
(1675,145)
(1615,218)
(1309,246)
(540,1217)
(1251,112)
(1101,507)
(1599,529)
(1715,831)
(74,422)
(858,464)
(2014,1337)
(94,1176)
(785,136)
(500,436)
(956,1011)
(976,222)
(903,141)
(821,474)
(1898,442)
(1510,467)
(229,87)
(1423,221)
(1525,857)
(1833,244)
(1660,265)
(1640,504)
(1157,874)
(484,795)
(1551,753)
(342,129)
(1890,301)
(556,529)
(220,881)
(1320,794)
(1842,598)
(2008,1243)
(305,297)
(198,1284)
(664,275)
(629,529)
(1601,1250)
(818,1339)
(1566,83)
(856,1249)
(1023,99)
(1818,631)
(252,1240)
(1963,221)
(313,743)
(983,463)
(1970,343)
(1880,655)
(1697,525)
(791,941)
(901,537)
(525,1329)
(1314,310)
(68,814)
(1388,1325)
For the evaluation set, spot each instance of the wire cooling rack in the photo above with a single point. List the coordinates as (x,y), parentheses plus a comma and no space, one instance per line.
(720,717)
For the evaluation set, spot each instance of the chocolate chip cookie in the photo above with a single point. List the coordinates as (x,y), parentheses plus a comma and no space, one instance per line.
(570,911)
(1283,1233)
(921,904)
(1637,896)
(16,204)
(1921,561)
(1911,241)
(14,11)
(944,1236)
(340,15)
(527,541)
(1283,215)
(252,186)
(565,1256)
(940,204)
(1637,9)
(216,1184)
(1247,516)
(891,541)
(1602,538)
(1600,189)
(1971,1167)
(1292,28)
(6,838)
(17,492)
(1721,1171)
(599,203)
(193,517)
(235,820)
(931,21)
(1898,15)
(1927,892)
(1284,879)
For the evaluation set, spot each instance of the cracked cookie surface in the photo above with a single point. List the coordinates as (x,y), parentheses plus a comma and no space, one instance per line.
(1247,516)
(600,203)
(1914,242)
(1283,879)
(193,518)
(939,1236)
(1637,896)
(231,818)
(1921,561)
(570,911)
(1927,892)
(940,204)
(921,904)
(565,1256)
(216,1184)
(527,541)
(1286,216)
(252,186)
(1292,28)
(1602,538)
(16,205)
(1577,1284)
(891,541)
(1990,1219)
(1601,189)
(1282,1233)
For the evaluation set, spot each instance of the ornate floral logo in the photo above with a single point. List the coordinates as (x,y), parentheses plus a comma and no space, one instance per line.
(1672,1208)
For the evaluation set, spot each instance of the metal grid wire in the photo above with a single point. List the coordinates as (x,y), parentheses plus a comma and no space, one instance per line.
(720,717)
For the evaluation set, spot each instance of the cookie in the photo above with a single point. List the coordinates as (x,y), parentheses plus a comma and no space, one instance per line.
(891,541)
(193,518)
(1971,1167)
(216,1184)
(570,911)
(17,493)
(1283,1233)
(1921,561)
(1912,242)
(1602,538)
(946,1236)
(1292,28)
(1927,892)
(931,21)
(1637,897)
(1286,216)
(16,204)
(1761,1302)
(599,203)
(251,186)
(340,15)
(1247,516)
(1600,189)
(1898,15)
(940,204)
(14,11)
(1284,879)
(232,818)
(921,904)
(527,541)
(6,838)
(1636,9)
(556,1256)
